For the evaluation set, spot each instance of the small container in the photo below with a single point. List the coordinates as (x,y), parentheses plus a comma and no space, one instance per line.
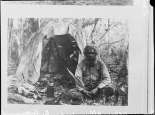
(50,90)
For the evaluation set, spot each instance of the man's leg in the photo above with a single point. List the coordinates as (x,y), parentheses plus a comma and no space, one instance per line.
(107,92)
(74,97)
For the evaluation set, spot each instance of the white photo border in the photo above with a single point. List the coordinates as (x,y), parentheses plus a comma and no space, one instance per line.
(138,40)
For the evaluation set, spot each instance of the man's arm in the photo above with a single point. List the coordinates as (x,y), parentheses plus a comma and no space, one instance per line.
(104,75)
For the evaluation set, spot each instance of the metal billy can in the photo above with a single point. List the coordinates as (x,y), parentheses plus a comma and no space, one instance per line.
(50,90)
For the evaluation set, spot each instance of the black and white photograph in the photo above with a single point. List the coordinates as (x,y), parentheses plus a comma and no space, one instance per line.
(78,2)
(64,57)
(67,61)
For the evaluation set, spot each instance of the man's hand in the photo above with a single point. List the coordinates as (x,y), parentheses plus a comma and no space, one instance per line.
(94,90)
(101,85)
(80,88)
(85,91)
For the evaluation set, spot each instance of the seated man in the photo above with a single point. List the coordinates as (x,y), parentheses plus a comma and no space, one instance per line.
(94,76)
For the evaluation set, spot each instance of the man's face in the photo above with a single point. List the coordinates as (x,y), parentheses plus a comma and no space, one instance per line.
(91,57)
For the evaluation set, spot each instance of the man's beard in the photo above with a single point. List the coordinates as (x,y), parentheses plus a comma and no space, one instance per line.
(91,61)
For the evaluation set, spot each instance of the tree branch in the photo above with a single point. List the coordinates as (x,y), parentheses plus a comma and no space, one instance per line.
(111,42)
(93,30)
(107,30)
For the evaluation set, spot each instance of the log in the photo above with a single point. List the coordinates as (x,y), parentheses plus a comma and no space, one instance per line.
(19,99)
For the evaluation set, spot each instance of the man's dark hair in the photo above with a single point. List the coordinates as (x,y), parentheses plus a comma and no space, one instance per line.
(90,49)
